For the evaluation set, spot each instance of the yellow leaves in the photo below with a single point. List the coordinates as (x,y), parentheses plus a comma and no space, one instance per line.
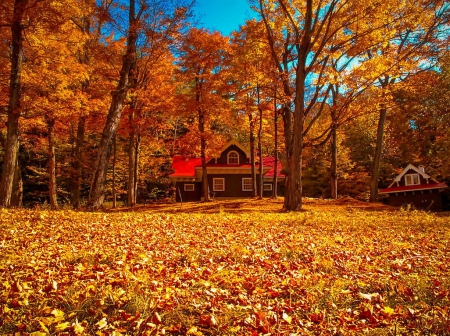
(62,326)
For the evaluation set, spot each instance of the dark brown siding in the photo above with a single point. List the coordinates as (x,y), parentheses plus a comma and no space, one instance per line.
(223,157)
(233,185)
(188,196)
(429,200)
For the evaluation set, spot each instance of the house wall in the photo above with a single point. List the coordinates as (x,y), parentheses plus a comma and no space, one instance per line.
(429,200)
(223,157)
(188,196)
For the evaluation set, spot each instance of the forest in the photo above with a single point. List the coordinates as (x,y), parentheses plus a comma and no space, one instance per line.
(96,96)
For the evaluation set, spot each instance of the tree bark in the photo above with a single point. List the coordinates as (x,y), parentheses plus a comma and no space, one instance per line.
(17,193)
(260,177)
(96,195)
(131,162)
(333,145)
(377,157)
(77,164)
(114,194)
(137,151)
(275,161)
(252,153)
(13,110)
(52,188)
(201,128)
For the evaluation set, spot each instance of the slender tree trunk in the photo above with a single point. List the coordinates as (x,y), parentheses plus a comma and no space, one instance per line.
(52,189)
(377,157)
(137,151)
(96,195)
(13,110)
(275,162)
(201,128)
(260,179)
(131,162)
(333,145)
(77,164)
(252,153)
(114,194)
(287,122)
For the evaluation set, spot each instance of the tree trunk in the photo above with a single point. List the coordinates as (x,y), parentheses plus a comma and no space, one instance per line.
(131,162)
(114,194)
(287,122)
(260,178)
(275,161)
(333,168)
(52,189)
(201,128)
(137,151)
(252,153)
(17,193)
(77,164)
(96,195)
(377,157)
(13,110)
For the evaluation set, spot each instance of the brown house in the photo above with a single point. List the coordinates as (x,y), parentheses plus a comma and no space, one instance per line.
(229,175)
(414,186)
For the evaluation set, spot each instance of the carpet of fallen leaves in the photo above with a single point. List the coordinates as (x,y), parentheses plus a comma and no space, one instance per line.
(225,268)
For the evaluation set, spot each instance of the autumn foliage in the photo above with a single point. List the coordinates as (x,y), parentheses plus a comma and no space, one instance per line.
(237,267)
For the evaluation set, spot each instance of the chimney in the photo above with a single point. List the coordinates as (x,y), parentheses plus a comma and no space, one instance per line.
(422,168)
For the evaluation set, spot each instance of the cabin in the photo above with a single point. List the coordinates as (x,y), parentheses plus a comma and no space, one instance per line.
(415,187)
(229,175)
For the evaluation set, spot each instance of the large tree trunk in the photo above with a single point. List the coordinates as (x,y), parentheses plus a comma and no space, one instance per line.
(52,189)
(333,145)
(17,193)
(13,110)
(131,162)
(96,195)
(275,162)
(114,194)
(377,157)
(77,164)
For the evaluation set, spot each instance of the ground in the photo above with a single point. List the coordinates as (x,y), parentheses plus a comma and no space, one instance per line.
(226,268)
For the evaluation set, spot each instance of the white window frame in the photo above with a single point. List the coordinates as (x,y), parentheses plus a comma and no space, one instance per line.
(187,187)
(217,179)
(268,186)
(237,157)
(247,186)
(409,179)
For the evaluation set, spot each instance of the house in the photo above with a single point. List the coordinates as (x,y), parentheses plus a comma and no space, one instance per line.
(229,175)
(414,186)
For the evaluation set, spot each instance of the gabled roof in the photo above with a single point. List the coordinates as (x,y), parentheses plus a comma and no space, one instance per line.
(431,183)
(408,167)
(237,144)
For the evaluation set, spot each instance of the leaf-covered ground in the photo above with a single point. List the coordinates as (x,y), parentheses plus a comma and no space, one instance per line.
(229,268)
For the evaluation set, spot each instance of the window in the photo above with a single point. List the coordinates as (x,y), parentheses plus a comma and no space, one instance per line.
(267,186)
(189,187)
(412,179)
(247,184)
(218,184)
(233,158)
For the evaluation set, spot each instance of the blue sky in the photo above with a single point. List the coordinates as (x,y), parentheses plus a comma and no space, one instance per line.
(222,15)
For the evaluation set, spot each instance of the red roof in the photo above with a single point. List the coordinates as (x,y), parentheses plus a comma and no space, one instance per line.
(185,167)
(270,162)
(413,188)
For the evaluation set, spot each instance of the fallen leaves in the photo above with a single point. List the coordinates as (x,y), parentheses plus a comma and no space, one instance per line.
(223,273)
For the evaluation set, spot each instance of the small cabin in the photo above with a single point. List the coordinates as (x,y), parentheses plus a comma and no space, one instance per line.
(229,175)
(415,187)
